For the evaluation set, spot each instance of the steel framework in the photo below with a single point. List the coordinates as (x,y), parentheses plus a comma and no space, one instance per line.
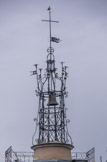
(51,89)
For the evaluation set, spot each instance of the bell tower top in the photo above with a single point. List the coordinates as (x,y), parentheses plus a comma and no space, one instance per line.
(51,121)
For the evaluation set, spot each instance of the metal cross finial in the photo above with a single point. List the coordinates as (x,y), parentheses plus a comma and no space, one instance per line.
(50,29)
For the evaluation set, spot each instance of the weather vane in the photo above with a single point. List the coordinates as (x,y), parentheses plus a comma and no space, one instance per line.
(52,39)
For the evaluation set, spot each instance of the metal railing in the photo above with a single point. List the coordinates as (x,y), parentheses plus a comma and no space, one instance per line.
(12,156)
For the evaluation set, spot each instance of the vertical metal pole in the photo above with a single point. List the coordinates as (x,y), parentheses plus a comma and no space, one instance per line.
(100,158)
(50,25)
(49,76)
(50,44)
(55,123)
(43,119)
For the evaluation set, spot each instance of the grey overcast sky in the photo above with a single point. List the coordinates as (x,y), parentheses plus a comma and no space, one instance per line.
(24,39)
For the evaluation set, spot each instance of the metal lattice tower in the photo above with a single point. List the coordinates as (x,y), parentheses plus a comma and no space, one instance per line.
(51,89)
